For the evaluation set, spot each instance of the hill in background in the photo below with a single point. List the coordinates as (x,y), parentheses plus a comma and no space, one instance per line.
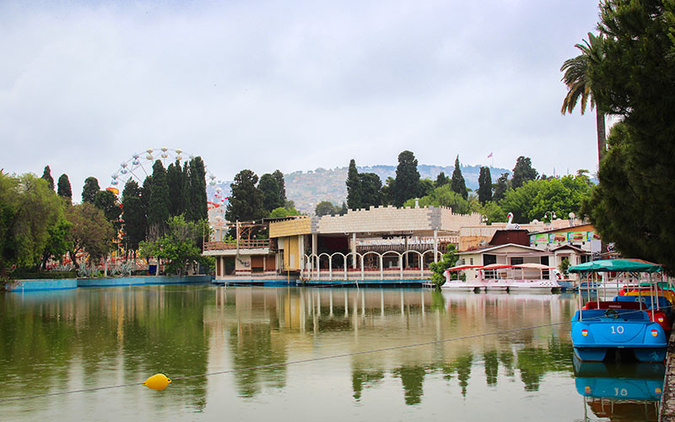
(306,189)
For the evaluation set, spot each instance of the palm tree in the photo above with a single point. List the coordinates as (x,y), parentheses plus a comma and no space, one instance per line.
(578,81)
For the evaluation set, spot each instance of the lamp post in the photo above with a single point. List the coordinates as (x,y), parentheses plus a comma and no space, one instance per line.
(550,216)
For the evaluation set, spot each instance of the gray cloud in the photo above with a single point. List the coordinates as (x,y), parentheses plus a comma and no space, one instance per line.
(289,85)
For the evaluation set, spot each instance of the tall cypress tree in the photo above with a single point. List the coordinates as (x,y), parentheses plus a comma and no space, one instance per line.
(90,189)
(484,185)
(523,172)
(269,187)
(195,191)
(457,183)
(63,188)
(501,187)
(246,202)
(135,223)
(176,182)
(371,190)
(47,175)
(158,207)
(407,184)
(279,176)
(354,194)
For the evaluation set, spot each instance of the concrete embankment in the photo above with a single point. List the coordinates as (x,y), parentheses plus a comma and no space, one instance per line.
(34,285)
(667,413)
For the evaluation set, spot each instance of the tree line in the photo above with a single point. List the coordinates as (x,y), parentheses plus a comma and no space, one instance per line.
(166,217)
(524,193)
(627,70)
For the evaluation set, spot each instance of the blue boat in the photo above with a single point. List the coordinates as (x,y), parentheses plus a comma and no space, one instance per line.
(597,331)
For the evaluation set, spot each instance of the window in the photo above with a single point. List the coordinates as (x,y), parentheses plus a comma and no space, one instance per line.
(517,260)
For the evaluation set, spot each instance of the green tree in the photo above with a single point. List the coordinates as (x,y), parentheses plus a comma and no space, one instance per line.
(57,243)
(537,197)
(283,212)
(371,190)
(577,78)
(28,208)
(246,200)
(632,205)
(448,260)
(523,172)
(500,187)
(354,191)
(407,184)
(195,192)
(443,197)
(47,175)
(64,190)
(90,189)
(279,176)
(158,206)
(135,223)
(106,201)
(179,246)
(271,192)
(492,212)
(484,185)
(457,182)
(175,179)
(90,232)
(442,179)
(326,208)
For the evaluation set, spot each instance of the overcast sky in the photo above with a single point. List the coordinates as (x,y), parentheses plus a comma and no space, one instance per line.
(289,85)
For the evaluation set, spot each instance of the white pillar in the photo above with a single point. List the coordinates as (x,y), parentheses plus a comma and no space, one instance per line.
(354,250)
(435,245)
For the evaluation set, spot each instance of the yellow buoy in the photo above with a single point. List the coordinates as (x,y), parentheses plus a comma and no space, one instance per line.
(157,382)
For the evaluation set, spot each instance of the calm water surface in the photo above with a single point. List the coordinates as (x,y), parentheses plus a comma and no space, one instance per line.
(300,354)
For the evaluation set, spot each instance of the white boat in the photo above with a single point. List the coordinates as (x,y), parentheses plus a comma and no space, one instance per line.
(502,277)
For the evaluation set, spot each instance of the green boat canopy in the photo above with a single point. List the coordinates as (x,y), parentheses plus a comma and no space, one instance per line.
(616,265)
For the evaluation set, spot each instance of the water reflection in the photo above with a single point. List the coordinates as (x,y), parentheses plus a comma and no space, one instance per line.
(620,391)
(269,342)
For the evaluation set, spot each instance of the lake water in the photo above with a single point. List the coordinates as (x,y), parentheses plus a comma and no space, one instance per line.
(302,354)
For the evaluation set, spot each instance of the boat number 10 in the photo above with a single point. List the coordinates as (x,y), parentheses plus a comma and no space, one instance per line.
(617,329)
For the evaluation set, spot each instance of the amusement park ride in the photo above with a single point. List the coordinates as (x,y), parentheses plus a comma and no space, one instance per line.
(139,166)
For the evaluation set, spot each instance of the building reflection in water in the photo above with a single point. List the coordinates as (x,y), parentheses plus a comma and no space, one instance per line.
(267,328)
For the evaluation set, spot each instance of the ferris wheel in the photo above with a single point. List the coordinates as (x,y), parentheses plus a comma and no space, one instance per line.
(139,166)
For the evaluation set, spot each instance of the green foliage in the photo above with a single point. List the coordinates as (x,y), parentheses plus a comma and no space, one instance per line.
(523,172)
(135,222)
(537,197)
(90,232)
(635,79)
(282,212)
(194,175)
(326,208)
(279,176)
(444,197)
(442,179)
(63,188)
(271,192)
(492,212)
(363,189)
(106,201)
(90,189)
(564,265)
(354,199)
(28,208)
(448,260)
(177,183)
(178,247)
(158,205)
(246,200)
(500,187)
(407,182)
(484,185)
(47,176)
(57,243)
(457,183)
